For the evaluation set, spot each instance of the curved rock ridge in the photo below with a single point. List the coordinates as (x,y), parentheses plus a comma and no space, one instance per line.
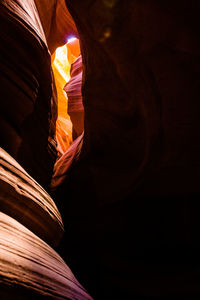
(28,13)
(29,268)
(57,22)
(22,198)
(65,163)
(73,87)
(28,109)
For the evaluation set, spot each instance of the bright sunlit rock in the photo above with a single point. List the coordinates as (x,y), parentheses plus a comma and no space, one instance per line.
(61,64)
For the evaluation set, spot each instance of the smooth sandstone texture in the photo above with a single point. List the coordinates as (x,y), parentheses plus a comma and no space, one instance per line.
(65,163)
(57,22)
(29,29)
(28,105)
(73,89)
(134,187)
(22,198)
(30,269)
(61,71)
(62,59)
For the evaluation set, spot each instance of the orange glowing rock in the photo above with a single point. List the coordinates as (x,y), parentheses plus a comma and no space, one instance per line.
(74,46)
(61,64)
(61,70)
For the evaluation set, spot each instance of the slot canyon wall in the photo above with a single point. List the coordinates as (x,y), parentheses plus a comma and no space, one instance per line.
(130,202)
(27,42)
(31,226)
(127,190)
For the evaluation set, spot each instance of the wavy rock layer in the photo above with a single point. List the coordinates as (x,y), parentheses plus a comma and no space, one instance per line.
(28,107)
(73,87)
(30,269)
(22,198)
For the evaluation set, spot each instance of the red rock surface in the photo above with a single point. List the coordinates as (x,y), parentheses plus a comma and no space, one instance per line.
(131,194)
(22,198)
(57,22)
(28,106)
(73,87)
(29,101)
(30,269)
(66,162)
(129,201)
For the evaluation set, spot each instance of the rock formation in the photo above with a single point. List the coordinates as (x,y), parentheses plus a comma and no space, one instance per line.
(73,88)
(131,196)
(32,269)
(28,106)
(24,199)
(30,222)
(127,189)
(63,59)
(56,21)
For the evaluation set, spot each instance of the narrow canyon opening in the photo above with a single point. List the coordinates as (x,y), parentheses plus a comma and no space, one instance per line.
(67,70)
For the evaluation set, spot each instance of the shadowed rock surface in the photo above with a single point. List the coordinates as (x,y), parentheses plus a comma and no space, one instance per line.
(129,198)
(129,204)
(28,106)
